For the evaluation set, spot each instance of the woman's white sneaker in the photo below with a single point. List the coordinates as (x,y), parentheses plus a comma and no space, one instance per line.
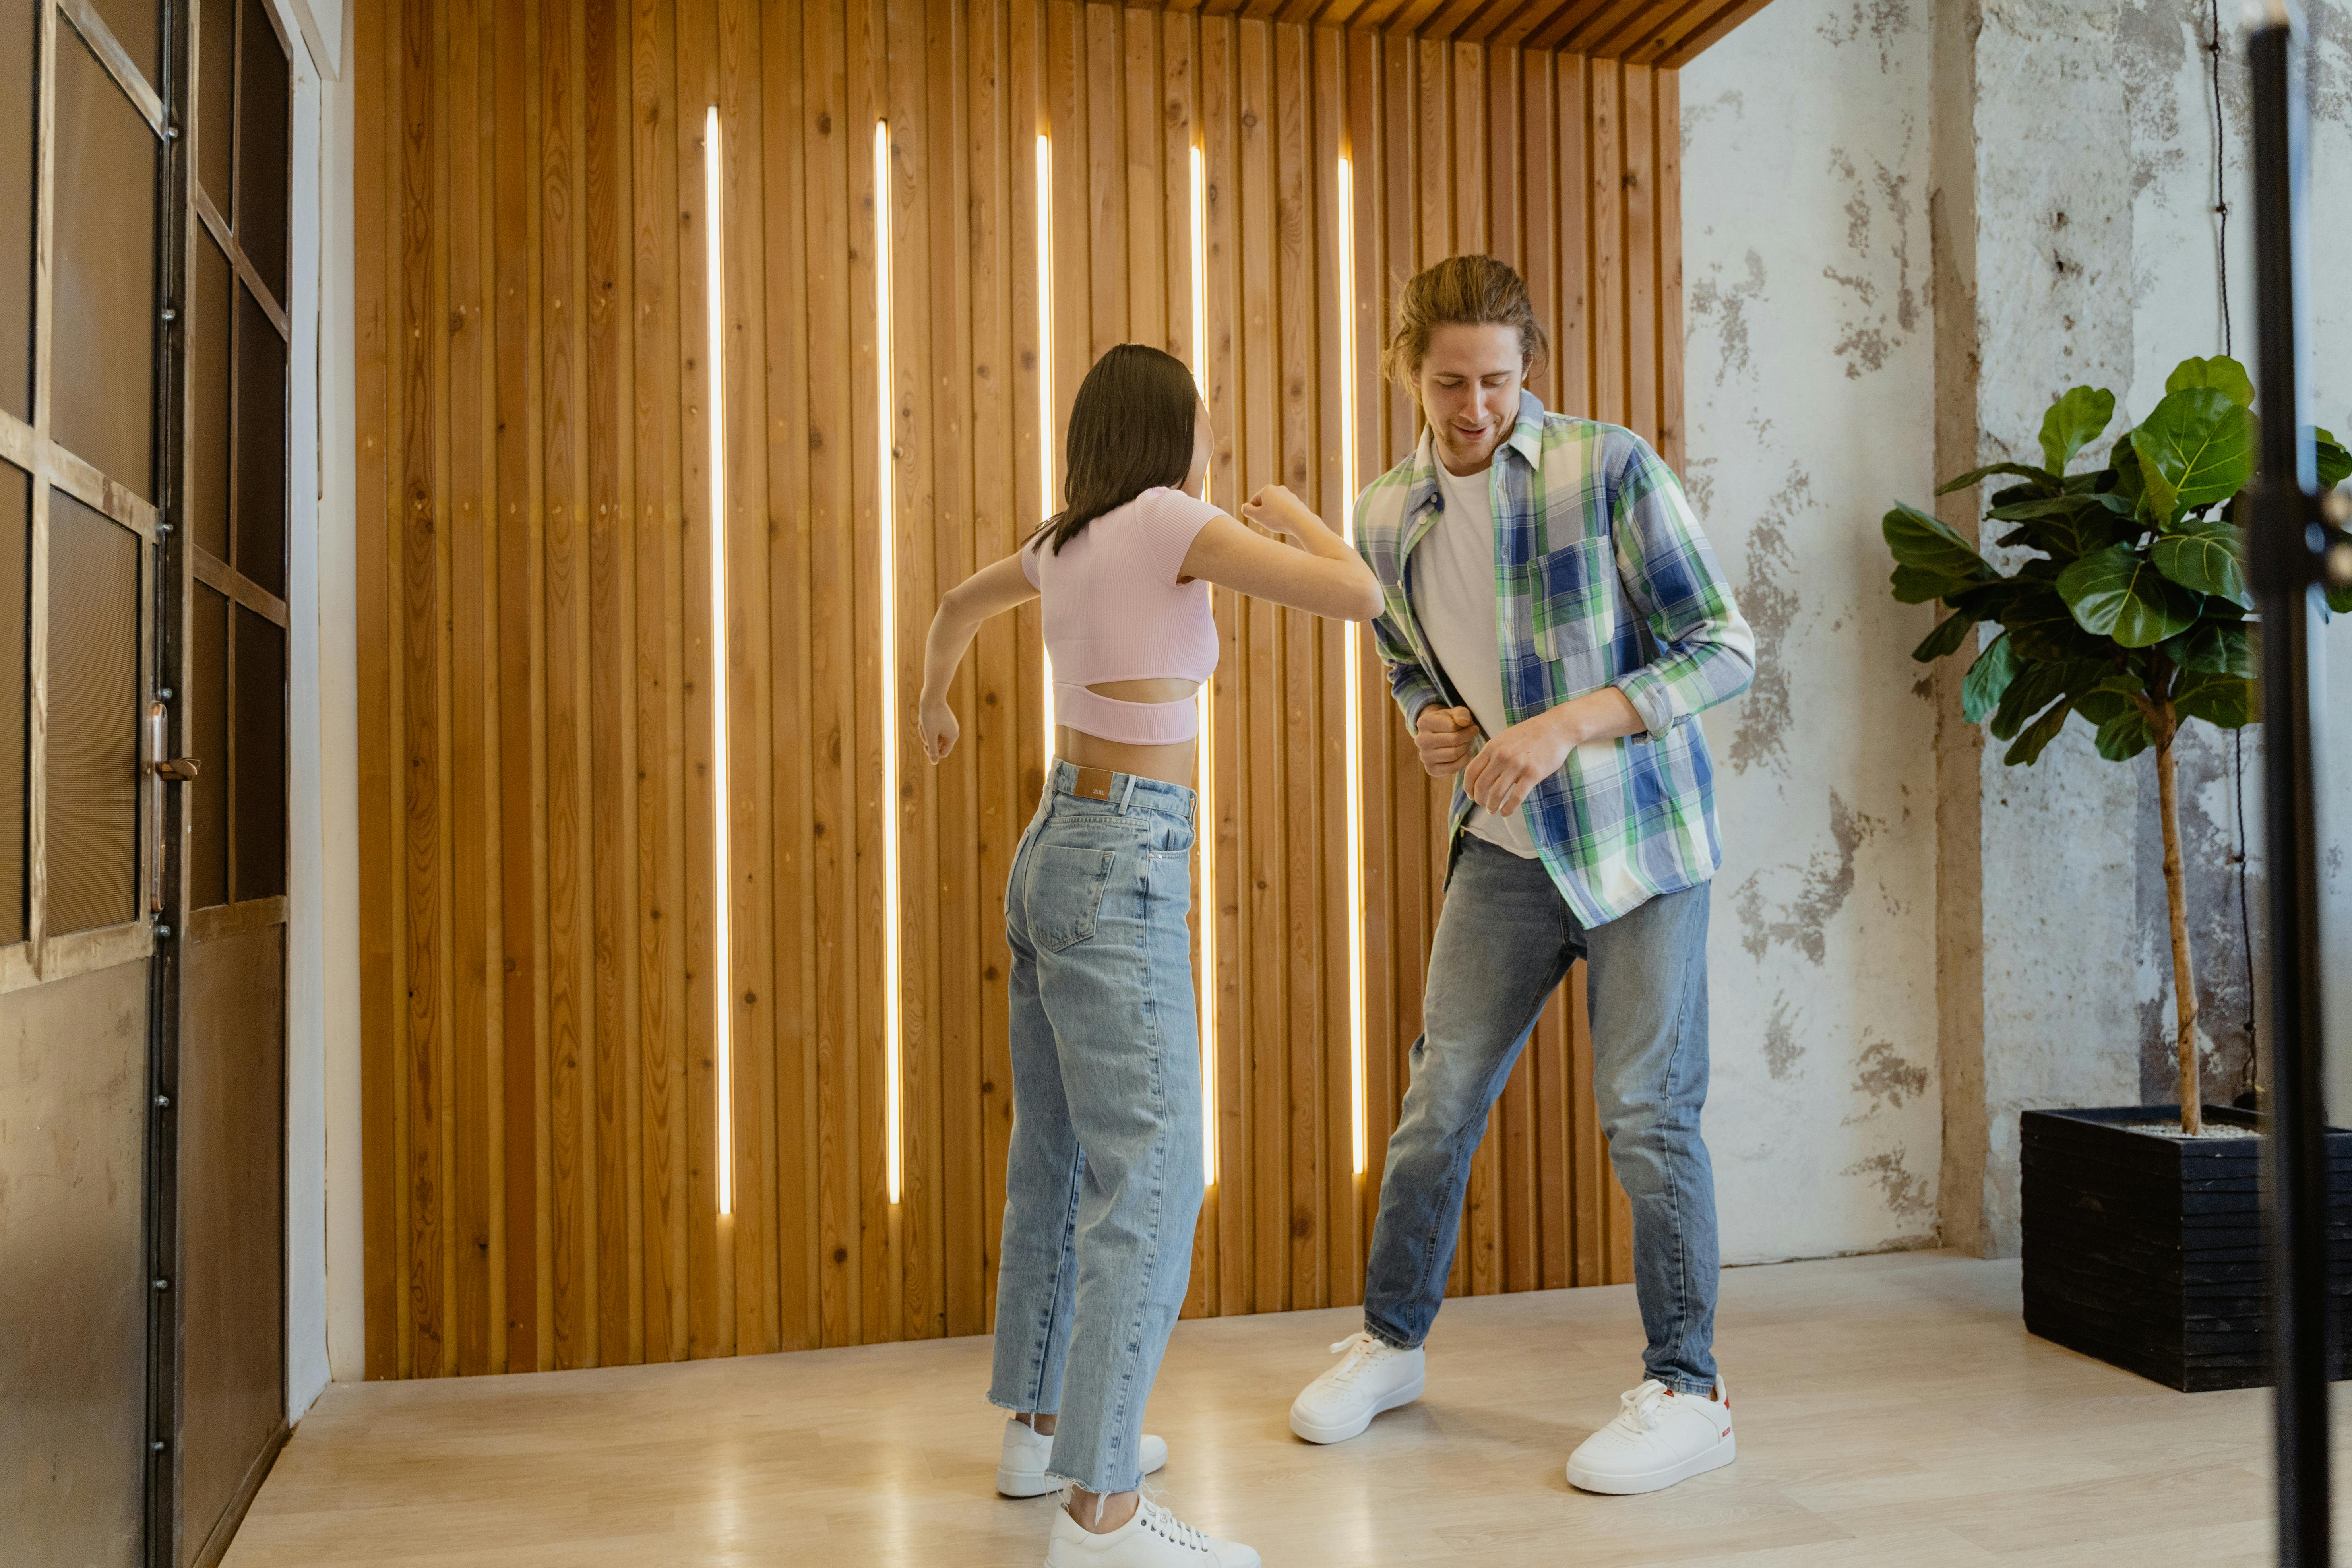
(1154,1538)
(1370,1377)
(1021,1472)
(1659,1437)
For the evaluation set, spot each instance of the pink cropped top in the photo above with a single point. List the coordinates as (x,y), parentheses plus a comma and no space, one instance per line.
(1114,611)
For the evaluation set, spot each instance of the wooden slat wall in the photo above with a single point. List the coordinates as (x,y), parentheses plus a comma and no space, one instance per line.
(535,632)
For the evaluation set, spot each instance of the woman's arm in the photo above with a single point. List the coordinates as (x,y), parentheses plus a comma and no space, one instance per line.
(990,591)
(1323,576)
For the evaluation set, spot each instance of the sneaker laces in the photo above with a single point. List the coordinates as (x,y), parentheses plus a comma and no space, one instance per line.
(1158,1519)
(1362,1349)
(1638,1407)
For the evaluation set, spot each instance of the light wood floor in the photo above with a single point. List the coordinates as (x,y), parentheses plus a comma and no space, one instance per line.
(1892,1410)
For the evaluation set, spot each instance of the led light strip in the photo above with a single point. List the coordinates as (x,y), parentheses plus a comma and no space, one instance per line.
(1204,835)
(721,880)
(1046,378)
(1354,716)
(887,574)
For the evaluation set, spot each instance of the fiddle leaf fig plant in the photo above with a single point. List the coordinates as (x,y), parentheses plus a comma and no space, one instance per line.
(2128,604)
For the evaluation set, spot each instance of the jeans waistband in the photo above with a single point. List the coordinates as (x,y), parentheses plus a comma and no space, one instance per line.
(1070,786)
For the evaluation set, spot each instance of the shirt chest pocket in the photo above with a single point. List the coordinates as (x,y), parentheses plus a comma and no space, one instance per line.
(1574,607)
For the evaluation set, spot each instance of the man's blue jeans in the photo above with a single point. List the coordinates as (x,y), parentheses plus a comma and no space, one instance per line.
(1505,940)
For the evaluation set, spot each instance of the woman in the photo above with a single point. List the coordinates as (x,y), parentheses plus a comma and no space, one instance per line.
(1104,1178)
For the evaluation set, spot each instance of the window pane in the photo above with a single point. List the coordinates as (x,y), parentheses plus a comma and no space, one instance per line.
(265,112)
(260,780)
(94,711)
(15,617)
(260,446)
(210,293)
(208,711)
(216,58)
(136,25)
(19,108)
(104,369)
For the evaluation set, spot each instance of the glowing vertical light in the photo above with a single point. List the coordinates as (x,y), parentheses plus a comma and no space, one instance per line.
(1206,834)
(1354,718)
(1045,374)
(721,986)
(886,527)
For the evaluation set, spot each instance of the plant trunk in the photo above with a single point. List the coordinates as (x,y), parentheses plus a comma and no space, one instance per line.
(2176,895)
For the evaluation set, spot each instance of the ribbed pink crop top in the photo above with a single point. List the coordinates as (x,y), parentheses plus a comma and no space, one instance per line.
(1114,612)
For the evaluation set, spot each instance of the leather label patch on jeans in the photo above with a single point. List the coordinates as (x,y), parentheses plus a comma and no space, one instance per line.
(1093,783)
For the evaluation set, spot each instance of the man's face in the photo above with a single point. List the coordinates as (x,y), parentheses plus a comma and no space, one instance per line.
(1469,386)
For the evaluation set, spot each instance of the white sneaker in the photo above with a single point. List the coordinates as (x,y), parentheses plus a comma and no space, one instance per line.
(1658,1438)
(1373,1377)
(1022,1470)
(1154,1538)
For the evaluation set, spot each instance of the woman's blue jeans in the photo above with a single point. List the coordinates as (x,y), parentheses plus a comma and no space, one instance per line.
(1505,940)
(1103,1180)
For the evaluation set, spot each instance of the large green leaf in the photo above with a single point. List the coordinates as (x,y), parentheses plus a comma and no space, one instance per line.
(1949,633)
(2036,685)
(2112,693)
(2124,457)
(2074,422)
(2126,736)
(2118,592)
(2224,701)
(2222,374)
(2205,554)
(2195,448)
(2065,526)
(1922,542)
(1913,587)
(2335,462)
(1988,678)
(2214,648)
(2042,479)
(2037,737)
(2045,630)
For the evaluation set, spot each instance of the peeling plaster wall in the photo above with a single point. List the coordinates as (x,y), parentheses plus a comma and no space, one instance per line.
(1810,402)
(1969,208)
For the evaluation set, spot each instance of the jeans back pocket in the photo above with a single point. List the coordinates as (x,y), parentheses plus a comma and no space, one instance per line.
(1064,892)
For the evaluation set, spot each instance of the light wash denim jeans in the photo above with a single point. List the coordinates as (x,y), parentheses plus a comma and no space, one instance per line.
(1103,1180)
(1505,940)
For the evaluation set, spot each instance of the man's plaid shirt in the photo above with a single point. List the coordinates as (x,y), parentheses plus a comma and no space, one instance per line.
(1603,579)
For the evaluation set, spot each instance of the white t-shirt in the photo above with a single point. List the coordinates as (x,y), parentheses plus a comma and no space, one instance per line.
(1454,597)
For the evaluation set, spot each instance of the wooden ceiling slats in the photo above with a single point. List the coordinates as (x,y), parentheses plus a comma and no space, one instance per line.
(1669,33)
(1708,36)
(1567,16)
(1611,24)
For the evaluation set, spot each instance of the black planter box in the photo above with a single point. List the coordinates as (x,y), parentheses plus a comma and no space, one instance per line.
(2147,1251)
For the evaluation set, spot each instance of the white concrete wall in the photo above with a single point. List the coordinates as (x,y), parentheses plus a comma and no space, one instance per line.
(1809,406)
(2081,140)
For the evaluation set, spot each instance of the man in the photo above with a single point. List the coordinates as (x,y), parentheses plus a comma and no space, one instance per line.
(1553,623)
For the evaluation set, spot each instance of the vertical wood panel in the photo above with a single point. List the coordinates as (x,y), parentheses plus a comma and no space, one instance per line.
(537,633)
(799,1238)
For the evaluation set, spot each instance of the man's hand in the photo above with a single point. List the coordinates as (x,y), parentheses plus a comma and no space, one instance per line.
(1511,764)
(1444,737)
(1521,757)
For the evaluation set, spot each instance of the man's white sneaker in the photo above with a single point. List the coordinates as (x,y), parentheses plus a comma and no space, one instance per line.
(1154,1538)
(1658,1438)
(1370,1378)
(1022,1470)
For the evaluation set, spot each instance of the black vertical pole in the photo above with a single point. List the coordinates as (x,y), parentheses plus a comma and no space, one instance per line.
(2284,565)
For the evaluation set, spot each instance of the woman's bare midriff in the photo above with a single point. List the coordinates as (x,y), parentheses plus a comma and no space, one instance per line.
(1169,764)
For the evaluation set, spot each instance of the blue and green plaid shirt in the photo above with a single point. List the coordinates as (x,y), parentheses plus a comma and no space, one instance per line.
(1603,579)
